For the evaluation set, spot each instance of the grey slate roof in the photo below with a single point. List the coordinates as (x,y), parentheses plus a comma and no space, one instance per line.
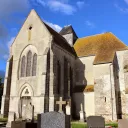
(67,30)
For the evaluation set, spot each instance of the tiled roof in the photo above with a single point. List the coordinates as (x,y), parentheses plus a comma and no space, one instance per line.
(103,46)
(89,88)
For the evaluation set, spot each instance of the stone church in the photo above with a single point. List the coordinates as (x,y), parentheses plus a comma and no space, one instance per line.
(44,65)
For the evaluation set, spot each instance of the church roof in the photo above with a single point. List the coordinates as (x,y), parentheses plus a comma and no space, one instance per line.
(60,40)
(103,46)
(89,88)
(67,30)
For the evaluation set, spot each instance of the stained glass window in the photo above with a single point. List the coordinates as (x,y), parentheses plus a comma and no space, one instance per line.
(23,66)
(29,60)
(34,65)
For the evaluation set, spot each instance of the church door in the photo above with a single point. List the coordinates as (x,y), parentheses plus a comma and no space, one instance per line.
(25,104)
(26,107)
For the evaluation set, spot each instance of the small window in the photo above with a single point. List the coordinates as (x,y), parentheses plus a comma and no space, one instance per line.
(105,99)
(30,28)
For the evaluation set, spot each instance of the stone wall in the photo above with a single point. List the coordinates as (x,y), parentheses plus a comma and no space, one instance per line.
(85,70)
(79,99)
(89,104)
(60,55)
(105,91)
(39,42)
(122,62)
(69,38)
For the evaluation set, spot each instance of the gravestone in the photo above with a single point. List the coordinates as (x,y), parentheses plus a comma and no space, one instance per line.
(82,118)
(123,123)
(23,124)
(95,122)
(53,120)
(68,109)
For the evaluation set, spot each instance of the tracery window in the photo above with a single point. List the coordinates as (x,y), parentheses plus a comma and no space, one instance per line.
(29,61)
(58,77)
(34,65)
(23,66)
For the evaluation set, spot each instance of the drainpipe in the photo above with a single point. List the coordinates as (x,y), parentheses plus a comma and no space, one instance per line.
(111,89)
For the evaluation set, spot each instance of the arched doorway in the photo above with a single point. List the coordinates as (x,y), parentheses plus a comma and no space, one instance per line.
(25,103)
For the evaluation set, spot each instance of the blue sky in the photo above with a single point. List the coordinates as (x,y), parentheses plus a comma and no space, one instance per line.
(88,17)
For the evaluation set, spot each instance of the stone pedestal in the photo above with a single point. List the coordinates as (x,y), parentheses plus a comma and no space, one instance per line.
(81,116)
(68,109)
(11,117)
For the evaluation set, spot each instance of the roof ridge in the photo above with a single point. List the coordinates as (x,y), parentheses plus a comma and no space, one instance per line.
(95,35)
(102,45)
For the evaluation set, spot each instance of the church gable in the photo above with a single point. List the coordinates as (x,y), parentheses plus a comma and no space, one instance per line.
(32,32)
(35,32)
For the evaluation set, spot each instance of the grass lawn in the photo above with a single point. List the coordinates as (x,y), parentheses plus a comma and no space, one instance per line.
(78,125)
(84,125)
(3,119)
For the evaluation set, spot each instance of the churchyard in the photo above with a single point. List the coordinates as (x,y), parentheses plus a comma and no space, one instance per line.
(62,120)
(74,124)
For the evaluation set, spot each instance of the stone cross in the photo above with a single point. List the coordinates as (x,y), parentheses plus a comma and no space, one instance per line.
(60,103)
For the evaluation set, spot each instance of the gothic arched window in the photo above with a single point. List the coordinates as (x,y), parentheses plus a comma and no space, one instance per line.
(23,66)
(34,65)
(29,61)
(58,77)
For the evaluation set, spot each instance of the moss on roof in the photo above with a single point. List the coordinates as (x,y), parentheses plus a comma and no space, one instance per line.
(89,88)
(103,46)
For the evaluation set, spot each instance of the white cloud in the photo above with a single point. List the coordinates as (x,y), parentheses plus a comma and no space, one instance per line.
(42,2)
(5,55)
(90,24)
(8,7)
(65,8)
(124,10)
(126,1)
(54,26)
(9,43)
(80,4)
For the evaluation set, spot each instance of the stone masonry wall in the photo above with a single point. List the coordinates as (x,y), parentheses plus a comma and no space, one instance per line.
(105,102)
